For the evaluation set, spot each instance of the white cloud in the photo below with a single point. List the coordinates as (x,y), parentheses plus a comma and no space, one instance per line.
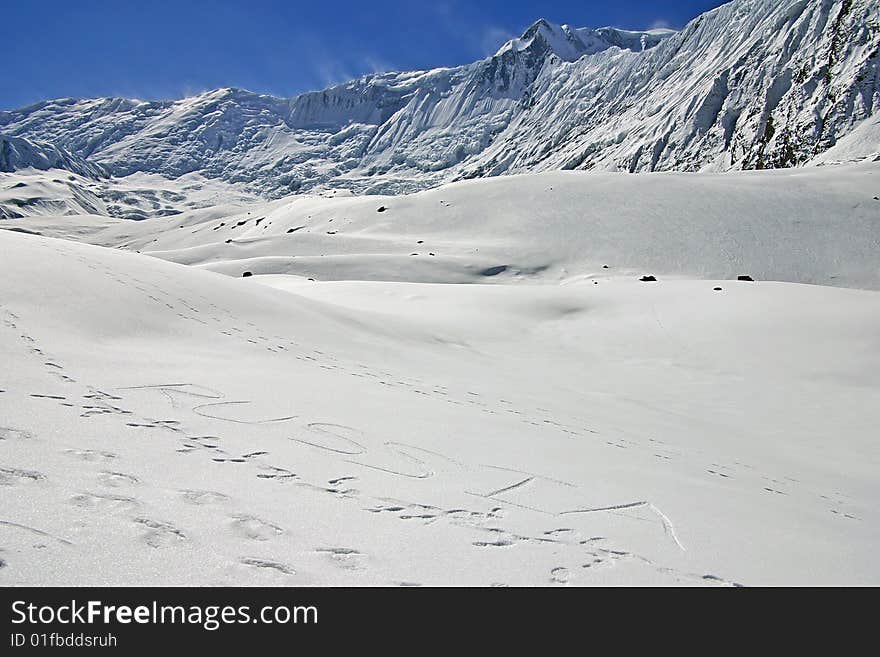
(375,64)
(493,37)
(459,24)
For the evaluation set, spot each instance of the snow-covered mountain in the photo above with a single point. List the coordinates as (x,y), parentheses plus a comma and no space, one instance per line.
(19,153)
(753,84)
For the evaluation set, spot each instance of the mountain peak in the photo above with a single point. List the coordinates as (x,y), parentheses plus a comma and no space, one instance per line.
(720,95)
(542,37)
(570,44)
(537,26)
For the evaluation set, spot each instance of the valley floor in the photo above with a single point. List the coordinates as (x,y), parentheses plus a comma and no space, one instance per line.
(167,424)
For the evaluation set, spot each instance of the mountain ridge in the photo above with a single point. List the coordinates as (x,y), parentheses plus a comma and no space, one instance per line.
(19,153)
(751,84)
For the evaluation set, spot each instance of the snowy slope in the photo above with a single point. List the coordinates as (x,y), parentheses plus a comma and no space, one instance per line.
(167,425)
(17,153)
(863,143)
(466,384)
(810,225)
(59,193)
(752,84)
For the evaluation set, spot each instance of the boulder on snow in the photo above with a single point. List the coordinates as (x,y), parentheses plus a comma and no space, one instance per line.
(493,271)
(246,274)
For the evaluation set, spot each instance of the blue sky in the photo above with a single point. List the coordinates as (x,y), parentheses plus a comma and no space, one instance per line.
(157,49)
